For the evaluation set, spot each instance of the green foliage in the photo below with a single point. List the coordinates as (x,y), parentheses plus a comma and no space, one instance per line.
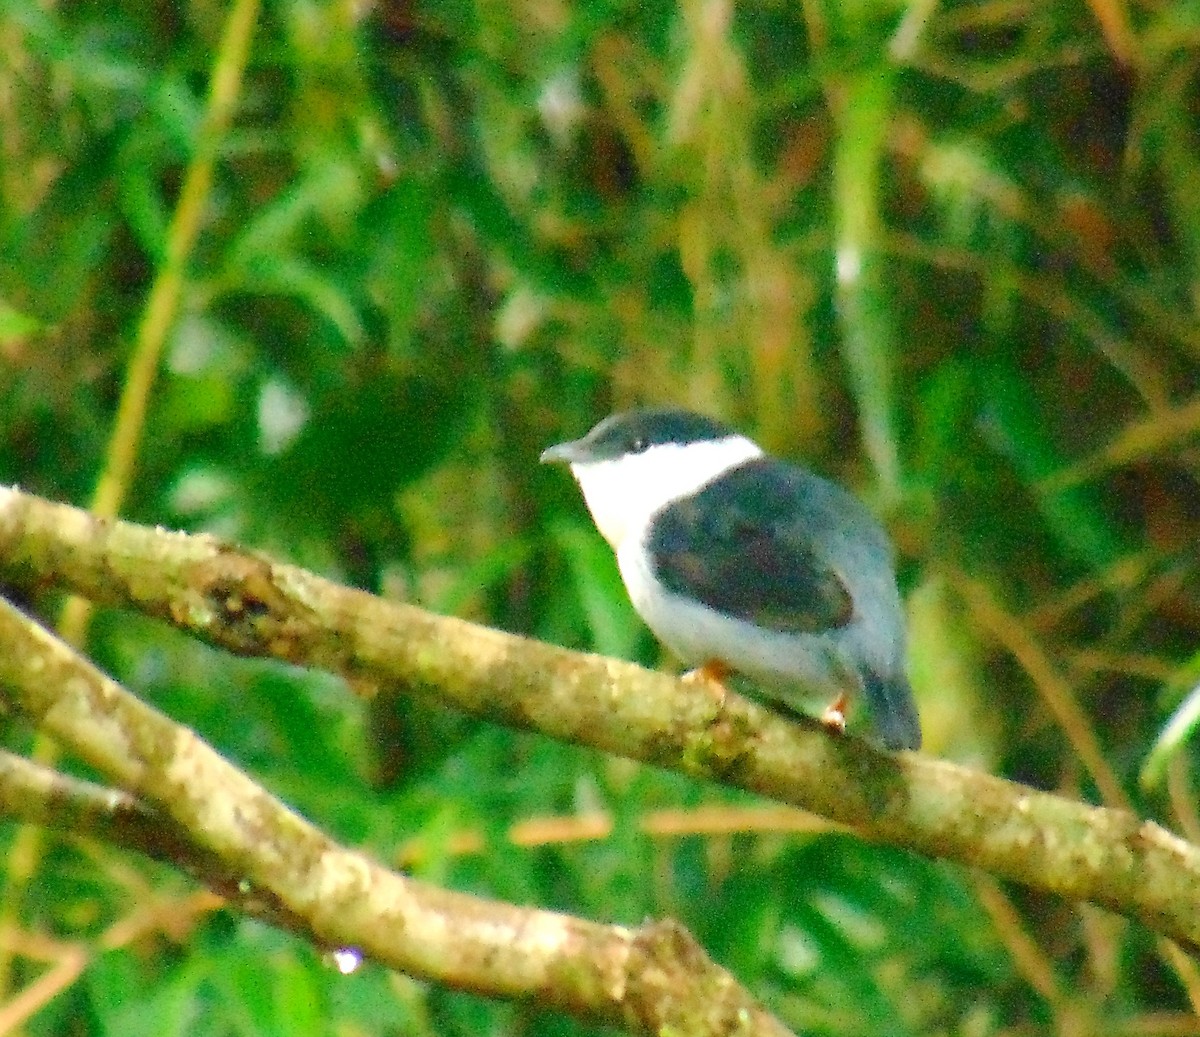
(946,253)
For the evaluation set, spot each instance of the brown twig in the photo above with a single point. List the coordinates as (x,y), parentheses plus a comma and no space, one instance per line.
(716,820)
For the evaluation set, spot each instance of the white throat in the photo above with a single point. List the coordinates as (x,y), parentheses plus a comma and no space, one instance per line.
(622,493)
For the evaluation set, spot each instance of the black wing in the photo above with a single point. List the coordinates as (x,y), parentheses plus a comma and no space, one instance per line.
(742,546)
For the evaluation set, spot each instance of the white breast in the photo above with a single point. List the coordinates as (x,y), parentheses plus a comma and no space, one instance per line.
(623,493)
(696,635)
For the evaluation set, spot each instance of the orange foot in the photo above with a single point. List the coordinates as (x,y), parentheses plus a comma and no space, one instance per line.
(712,676)
(834,716)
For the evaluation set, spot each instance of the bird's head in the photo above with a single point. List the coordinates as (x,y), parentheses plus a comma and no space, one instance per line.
(634,463)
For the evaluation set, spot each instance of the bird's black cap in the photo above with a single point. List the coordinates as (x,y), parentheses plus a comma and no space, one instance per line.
(633,431)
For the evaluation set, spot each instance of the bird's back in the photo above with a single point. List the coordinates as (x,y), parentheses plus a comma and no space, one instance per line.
(804,566)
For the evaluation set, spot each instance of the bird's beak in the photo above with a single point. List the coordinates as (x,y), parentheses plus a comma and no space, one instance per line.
(563,453)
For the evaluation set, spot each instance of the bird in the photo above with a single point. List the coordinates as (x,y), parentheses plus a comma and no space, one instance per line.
(743,564)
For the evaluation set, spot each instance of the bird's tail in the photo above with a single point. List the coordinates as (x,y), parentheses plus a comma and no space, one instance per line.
(893,711)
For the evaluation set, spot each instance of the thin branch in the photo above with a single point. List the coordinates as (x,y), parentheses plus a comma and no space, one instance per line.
(1030,960)
(1138,440)
(1056,693)
(253,606)
(67,960)
(1114,24)
(653,979)
(19,1009)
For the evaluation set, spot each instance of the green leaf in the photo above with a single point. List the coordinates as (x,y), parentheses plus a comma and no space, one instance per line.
(128,1002)
(860,267)
(1074,515)
(297,278)
(1179,728)
(329,193)
(613,625)
(15,325)
(402,248)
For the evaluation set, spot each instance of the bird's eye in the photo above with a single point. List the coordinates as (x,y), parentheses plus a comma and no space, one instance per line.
(638,445)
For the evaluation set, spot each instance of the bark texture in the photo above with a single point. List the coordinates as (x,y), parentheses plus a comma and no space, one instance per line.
(252,605)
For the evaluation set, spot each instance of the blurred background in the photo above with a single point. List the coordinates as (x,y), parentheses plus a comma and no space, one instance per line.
(947,253)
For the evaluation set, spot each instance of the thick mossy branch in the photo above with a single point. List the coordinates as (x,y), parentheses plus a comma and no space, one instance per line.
(252,605)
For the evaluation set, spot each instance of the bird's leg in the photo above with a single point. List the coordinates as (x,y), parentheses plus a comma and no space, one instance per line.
(834,716)
(711,674)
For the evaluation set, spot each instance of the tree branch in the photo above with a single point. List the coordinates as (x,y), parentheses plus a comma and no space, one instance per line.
(40,795)
(653,979)
(253,606)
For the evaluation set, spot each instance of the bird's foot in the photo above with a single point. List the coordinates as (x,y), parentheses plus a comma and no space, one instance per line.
(712,676)
(834,716)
